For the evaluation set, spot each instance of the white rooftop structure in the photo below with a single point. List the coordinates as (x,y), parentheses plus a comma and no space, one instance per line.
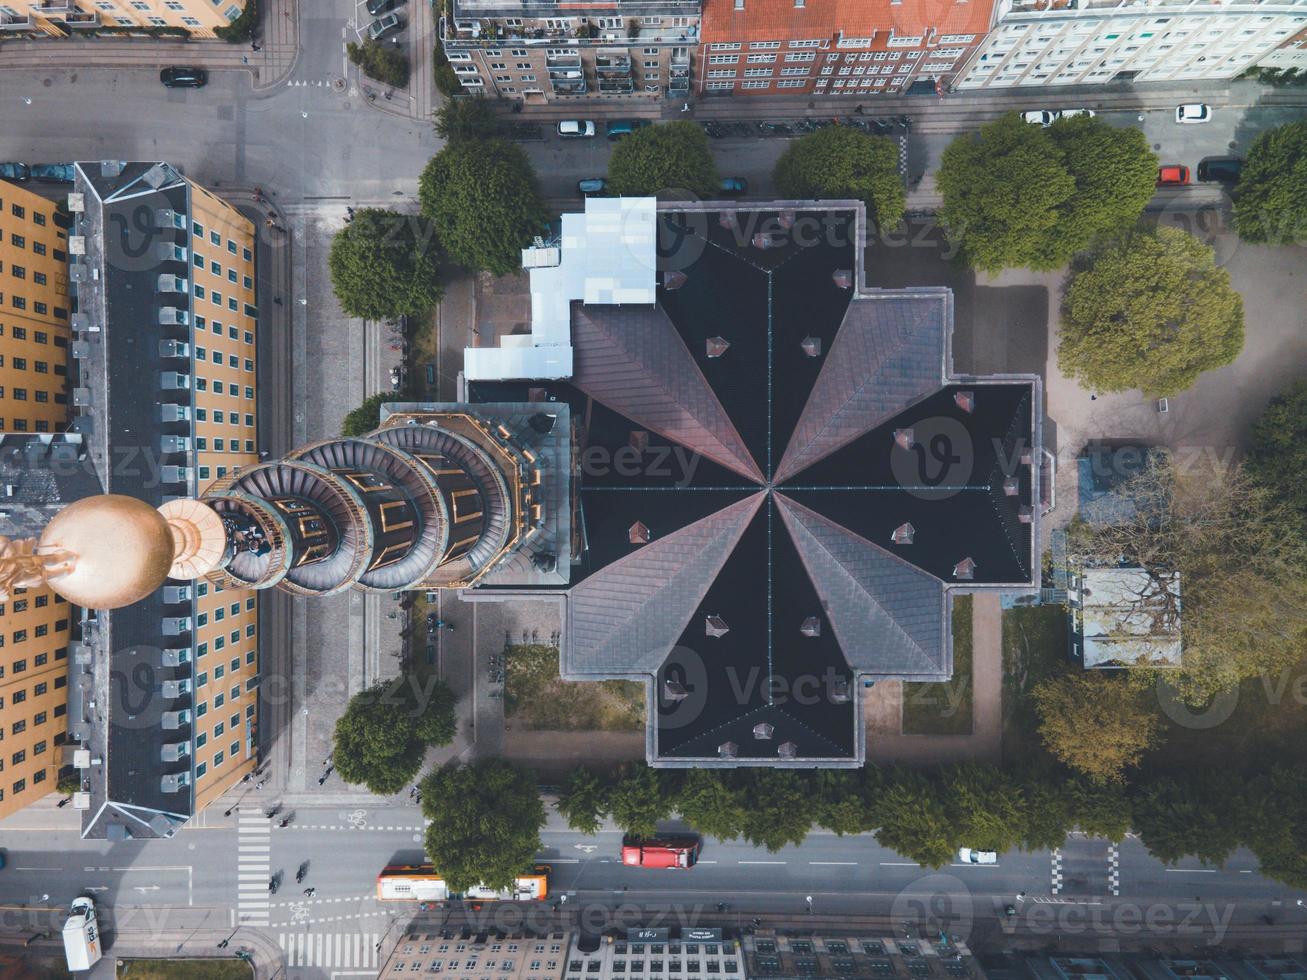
(606,256)
(1127,617)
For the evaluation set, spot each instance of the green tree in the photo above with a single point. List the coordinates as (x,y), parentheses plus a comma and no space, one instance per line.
(1115,174)
(484,200)
(639,797)
(1270,200)
(1097,722)
(1047,806)
(1194,813)
(841,799)
(1150,310)
(383,63)
(242,28)
(840,162)
(1276,814)
(987,808)
(583,802)
(663,158)
(1004,189)
(1099,810)
(1277,458)
(486,819)
(710,802)
(913,819)
(383,735)
(471,118)
(367,417)
(778,811)
(383,264)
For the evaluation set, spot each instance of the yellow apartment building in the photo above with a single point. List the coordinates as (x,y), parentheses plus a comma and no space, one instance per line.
(34,623)
(59,18)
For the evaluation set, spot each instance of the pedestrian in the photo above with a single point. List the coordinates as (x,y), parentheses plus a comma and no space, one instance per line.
(859,110)
(245,59)
(255,45)
(310,892)
(247,777)
(322,779)
(269,223)
(276,301)
(327,762)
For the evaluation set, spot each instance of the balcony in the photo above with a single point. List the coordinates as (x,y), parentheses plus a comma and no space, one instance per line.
(618,85)
(613,63)
(83,19)
(565,74)
(466,32)
(46,7)
(569,59)
(568,86)
(15,22)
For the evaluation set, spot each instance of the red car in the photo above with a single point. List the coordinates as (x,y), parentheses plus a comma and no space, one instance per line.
(663,852)
(1173,175)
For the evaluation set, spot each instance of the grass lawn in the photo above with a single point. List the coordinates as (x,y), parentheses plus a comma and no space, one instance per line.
(535,697)
(944,708)
(228,969)
(1034,648)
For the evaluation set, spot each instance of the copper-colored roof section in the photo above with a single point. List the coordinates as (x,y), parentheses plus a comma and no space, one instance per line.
(632,359)
(778,20)
(886,614)
(199,539)
(626,617)
(889,353)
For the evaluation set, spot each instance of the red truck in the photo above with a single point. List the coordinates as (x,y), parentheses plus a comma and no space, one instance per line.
(661,852)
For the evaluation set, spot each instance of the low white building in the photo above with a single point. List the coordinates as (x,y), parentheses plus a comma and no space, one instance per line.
(1086,42)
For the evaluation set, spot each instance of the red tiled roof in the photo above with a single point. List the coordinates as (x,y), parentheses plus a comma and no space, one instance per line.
(781,20)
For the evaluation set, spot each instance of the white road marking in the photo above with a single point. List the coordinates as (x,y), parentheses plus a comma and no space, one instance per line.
(841,864)
(760,862)
(1193,871)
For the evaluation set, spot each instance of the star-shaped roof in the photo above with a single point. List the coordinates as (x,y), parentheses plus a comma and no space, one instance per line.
(779,484)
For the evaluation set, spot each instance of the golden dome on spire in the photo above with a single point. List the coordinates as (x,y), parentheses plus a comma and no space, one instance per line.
(116,551)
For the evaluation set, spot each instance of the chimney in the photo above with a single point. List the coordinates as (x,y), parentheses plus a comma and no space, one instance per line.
(763,732)
(965,569)
(811,627)
(903,534)
(715,626)
(674,690)
(639,533)
(965,400)
(904,438)
(716,346)
(811,346)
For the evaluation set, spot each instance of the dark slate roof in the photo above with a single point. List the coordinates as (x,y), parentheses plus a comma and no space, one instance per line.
(888,353)
(625,620)
(888,615)
(786,727)
(631,359)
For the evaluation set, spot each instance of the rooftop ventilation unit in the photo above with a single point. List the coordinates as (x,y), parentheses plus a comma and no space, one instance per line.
(639,533)
(168,283)
(674,690)
(176,593)
(111,168)
(76,244)
(175,782)
(965,569)
(174,381)
(763,732)
(174,348)
(965,400)
(175,474)
(788,750)
(174,413)
(175,625)
(81,397)
(80,350)
(903,534)
(79,272)
(728,750)
(172,690)
(174,751)
(172,720)
(175,656)
(715,626)
(168,252)
(79,321)
(159,174)
(76,202)
(173,316)
(168,218)
(811,627)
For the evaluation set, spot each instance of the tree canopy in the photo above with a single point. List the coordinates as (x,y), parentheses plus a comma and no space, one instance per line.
(583,802)
(1097,722)
(640,797)
(383,735)
(384,264)
(840,162)
(470,118)
(486,819)
(484,201)
(1149,310)
(1270,200)
(1243,593)
(1021,195)
(367,417)
(663,158)
(1277,457)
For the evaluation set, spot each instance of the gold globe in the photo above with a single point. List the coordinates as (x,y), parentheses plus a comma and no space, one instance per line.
(121,549)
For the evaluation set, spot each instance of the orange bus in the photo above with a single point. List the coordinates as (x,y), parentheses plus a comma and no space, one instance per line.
(420,883)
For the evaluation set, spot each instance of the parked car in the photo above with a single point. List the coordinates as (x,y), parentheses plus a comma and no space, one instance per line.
(1225,170)
(17,172)
(1040,117)
(179,77)
(591,185)
(576,128)
(732,186)
(1193,112)
(1172,175)
(378,7)
(385,26)
(967,856)
(617,128)
(53,173)
(1072,113)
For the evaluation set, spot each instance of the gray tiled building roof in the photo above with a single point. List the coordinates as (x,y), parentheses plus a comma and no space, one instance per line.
(625,620)
(887,614)
(888,353)
(632,359)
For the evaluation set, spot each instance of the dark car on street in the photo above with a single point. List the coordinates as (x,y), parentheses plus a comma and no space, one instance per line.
(179,77)
(1224,170)
(17,172)
(52,173)
(617,128)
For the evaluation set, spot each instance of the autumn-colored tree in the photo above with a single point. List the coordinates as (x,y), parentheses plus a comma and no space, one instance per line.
(1097,722)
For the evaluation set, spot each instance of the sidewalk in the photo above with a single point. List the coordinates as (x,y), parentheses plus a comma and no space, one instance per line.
(278,35)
